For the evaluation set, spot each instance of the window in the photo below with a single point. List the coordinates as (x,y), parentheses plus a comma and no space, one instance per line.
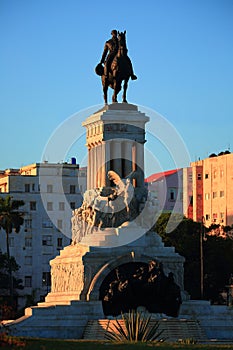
(32,205)
(214,194)
(222,217)
(47,223)
(46,258)
(28,242)
(207,196)
(72,205)
(11,242)
(33,187)
(199,176)
(72,189)
(49,206)
(221,193)
(207,217)
(27,187)
(59,242)
(206,176)
(28,260)
(46,240)
(59,224)
(27,223)
(172,194)
(46,279)
(61,206)
(27,281)
(215,215)
(49,188)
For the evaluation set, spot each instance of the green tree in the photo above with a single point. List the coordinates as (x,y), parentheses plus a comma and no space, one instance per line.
(217,255)
(186,240)
(10,219)
(218,266)
(7,311)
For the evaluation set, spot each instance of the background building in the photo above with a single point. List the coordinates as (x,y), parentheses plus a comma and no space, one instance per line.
(202,192)
(213,189)
(50,192)
(166,188)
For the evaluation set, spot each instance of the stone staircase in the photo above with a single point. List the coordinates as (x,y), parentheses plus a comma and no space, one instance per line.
(173,329)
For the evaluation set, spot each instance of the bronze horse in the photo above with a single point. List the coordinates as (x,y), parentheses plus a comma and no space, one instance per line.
(121,70)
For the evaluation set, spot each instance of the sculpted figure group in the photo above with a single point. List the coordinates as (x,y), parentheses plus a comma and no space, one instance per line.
(140,285)
(119,204)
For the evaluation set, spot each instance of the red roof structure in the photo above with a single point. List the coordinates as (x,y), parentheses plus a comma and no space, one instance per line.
(159,176)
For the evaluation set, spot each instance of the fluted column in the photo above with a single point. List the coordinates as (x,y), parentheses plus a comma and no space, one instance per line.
(92,164)
(140,161)
(102,169)
(116,156)
(99,165)
(107,147)
(127,155)
(89,168)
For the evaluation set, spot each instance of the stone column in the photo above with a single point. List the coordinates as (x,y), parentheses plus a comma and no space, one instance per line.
(99,165)
(89,169)
(92,160)
(107,147)
(116,156)
(134,161)
(102,168)
(127,155)
(140,161)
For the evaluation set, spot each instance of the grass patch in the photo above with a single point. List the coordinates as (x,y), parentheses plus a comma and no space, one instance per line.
(56,344)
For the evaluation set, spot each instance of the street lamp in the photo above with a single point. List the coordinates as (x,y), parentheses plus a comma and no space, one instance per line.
(202,238)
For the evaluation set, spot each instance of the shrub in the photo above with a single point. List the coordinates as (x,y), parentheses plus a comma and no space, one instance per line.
(136,327)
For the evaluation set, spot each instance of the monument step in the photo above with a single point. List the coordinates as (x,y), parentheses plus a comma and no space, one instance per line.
(113,236)
(173,329)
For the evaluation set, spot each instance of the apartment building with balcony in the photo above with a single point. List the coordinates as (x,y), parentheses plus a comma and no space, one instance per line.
(202,192)
(50,193)
(212,180)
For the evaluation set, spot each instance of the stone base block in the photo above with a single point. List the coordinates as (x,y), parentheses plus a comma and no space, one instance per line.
(60,321)
(216,320)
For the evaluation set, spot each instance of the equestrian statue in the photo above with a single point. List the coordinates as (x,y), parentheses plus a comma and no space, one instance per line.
(115,66)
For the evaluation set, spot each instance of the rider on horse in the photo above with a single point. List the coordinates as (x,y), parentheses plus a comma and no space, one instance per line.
(110,50)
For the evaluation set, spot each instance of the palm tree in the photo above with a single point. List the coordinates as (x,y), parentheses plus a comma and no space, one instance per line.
(10,219)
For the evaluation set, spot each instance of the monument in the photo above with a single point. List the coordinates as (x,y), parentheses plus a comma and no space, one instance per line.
(116,262)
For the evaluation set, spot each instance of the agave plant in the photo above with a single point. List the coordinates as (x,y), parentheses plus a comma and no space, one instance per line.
(136,327)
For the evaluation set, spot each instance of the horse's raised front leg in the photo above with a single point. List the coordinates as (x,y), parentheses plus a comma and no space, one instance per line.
(124,90)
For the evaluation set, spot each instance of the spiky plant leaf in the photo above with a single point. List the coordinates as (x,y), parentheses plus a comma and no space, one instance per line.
(136,327)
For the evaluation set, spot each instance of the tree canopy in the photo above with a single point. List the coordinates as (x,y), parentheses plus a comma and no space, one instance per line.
(217,255)
(10,218)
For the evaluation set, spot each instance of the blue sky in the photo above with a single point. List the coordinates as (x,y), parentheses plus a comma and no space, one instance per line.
(181,50)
